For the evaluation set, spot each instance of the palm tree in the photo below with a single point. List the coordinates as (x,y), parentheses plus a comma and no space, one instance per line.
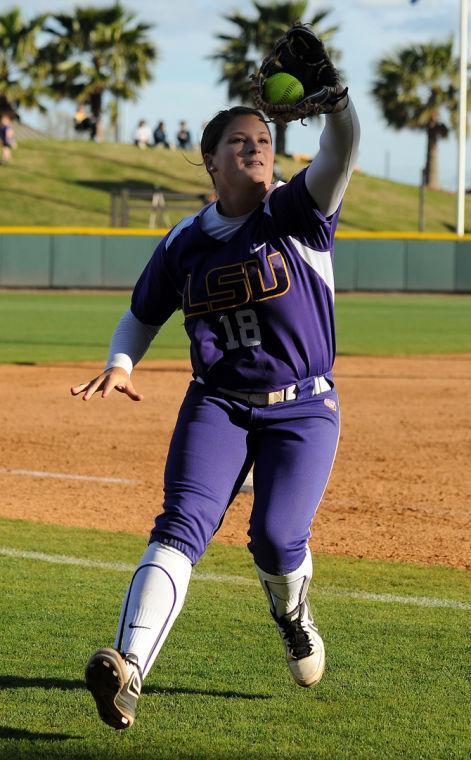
(241,54)
(20,75)
(417,88)
(97,52)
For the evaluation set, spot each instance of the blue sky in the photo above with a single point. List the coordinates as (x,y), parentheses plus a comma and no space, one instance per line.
(185,84)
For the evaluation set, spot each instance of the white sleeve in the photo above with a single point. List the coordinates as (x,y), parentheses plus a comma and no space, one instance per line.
(129,342)
(328,175)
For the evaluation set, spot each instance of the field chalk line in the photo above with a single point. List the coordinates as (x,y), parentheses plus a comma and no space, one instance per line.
(364,596)
(64,476)
(247,486)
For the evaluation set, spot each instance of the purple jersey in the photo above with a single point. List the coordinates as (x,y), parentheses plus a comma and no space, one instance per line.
(258,308)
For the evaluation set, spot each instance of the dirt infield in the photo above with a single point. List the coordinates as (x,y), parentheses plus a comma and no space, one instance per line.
(401,484)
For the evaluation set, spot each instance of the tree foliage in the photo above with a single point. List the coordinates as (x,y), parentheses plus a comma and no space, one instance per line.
(88,55)
(21,76)
(417,88)
(97,51)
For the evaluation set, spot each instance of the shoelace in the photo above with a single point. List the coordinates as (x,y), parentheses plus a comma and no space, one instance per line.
(295,636)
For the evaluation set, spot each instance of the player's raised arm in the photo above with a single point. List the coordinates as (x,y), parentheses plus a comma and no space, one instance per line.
(329,173)
(129,343)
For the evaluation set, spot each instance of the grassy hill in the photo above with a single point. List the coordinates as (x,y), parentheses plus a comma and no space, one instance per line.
(59,183)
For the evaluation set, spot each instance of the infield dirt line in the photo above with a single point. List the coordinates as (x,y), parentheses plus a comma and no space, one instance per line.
(364,596)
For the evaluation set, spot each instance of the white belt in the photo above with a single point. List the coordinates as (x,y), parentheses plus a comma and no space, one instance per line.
(321,385)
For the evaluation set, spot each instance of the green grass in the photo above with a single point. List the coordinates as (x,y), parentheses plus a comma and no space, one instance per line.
(401,324)
(395,685)
(69,183)
(52,327)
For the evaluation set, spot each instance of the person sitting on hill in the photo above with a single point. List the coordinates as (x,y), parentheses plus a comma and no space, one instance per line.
(142,135)
(184,136)
(7,137)
(84,122)
(160,136)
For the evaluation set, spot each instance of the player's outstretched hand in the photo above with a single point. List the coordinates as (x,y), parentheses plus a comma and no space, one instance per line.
(116,378)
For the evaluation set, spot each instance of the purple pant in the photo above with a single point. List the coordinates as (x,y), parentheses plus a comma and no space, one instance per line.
(216,440)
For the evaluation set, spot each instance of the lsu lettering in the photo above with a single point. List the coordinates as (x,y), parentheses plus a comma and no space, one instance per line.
(232,285)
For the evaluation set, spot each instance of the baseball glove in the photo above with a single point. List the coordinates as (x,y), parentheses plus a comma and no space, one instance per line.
(302,55)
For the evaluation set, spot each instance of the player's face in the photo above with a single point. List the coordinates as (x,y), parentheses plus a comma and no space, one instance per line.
(244,155)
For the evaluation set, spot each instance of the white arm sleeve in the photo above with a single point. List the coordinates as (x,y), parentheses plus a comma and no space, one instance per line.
(328,175)
(130,341)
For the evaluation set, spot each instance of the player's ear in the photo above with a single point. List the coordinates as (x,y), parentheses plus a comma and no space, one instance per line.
(209,163)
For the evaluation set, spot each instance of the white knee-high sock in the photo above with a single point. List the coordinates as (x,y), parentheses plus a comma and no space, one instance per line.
(152,603)
(286,592)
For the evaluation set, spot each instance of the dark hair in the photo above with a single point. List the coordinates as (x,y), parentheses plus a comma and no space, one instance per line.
(214,129)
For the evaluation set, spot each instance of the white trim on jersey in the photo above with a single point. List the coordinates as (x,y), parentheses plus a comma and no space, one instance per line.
(320,261)
(266,199)
(181,226)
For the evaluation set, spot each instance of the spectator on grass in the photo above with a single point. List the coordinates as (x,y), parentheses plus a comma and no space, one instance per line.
(7,137)
(160,136)
(84,122)
(184,136)
(142,135)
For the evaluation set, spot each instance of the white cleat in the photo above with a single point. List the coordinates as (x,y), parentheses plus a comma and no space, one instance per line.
(305,651)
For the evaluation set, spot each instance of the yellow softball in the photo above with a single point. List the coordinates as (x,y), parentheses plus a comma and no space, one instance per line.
(281,89)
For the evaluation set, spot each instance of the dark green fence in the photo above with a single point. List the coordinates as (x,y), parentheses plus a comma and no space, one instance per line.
(73,261)
(410,264)
(105,260)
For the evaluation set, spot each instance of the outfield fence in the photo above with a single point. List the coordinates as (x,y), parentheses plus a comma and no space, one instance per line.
(78,257)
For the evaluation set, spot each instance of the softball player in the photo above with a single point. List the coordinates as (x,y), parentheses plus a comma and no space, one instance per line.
(253,275)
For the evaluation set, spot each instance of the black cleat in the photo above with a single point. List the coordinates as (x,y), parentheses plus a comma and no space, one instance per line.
(114,687)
